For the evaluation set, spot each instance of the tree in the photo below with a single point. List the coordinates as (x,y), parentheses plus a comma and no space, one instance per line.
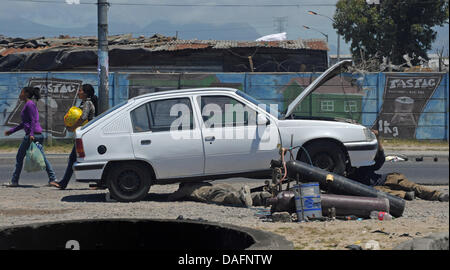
(391,29)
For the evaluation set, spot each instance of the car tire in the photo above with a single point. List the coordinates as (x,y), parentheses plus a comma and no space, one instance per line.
(129,182)
(326,155)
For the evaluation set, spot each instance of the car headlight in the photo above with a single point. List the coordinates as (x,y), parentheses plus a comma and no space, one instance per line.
(370,136)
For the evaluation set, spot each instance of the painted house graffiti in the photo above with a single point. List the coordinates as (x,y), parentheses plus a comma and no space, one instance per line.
(404,100)
(57,96)
(337,98)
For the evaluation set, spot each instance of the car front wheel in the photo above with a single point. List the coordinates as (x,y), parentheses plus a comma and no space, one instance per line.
(325,155)
(129,182)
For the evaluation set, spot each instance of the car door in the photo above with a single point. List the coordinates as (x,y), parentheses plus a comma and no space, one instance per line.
(231,137)
(166,135)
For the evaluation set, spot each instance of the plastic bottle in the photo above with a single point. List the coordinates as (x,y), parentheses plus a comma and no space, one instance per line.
(351,217)
(380,215)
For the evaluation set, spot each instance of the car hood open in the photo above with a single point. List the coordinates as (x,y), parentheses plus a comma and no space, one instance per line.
(324,77)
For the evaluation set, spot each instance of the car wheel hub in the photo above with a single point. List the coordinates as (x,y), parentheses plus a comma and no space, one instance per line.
(324,161)
(128,181)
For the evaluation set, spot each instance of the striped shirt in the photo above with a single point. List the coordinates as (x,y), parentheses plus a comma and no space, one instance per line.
(88,109)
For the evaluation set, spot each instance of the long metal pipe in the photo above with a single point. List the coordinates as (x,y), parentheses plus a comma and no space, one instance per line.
(336,184)
(353,205)
(343,205)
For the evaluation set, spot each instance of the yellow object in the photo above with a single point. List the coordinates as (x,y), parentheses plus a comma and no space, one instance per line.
(329,178)
(72,116)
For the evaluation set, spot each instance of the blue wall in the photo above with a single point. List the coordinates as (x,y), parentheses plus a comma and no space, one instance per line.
(270,88)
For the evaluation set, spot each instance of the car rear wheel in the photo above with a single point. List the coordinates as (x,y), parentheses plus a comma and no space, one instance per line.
(129,182)
(325,155)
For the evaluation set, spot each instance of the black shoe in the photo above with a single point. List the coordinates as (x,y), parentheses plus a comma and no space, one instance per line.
(409,196)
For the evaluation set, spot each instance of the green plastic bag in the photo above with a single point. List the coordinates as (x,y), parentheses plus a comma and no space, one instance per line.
(34,160)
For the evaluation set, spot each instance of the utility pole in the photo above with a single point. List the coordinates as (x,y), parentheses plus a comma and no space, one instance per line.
(338,48)
(280,24)
(103,65)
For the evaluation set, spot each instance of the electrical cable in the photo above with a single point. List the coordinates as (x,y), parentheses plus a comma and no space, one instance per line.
(298,5)
(306,151)
(182,5)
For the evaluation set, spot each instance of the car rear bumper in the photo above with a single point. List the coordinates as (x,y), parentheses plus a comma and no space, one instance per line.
(362,153)
(88,172)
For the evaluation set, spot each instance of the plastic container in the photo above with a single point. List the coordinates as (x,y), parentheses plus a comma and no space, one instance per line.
(380,215)
(307,201)
(72,116)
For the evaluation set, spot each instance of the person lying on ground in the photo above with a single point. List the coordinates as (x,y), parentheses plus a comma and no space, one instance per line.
(394,183)
(222,194)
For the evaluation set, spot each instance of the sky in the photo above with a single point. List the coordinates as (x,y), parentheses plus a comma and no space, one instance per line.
(132,15)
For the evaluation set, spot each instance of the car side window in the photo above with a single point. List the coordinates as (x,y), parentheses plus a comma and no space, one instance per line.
(168,112)
(224,111)
(140,119)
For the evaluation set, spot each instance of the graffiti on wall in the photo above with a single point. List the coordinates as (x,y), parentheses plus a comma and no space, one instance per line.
(337,98)
(404,100)
(140,84)
(57,96)
(401,105)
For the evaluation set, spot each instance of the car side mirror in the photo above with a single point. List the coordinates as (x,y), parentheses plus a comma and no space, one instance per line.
(262,120)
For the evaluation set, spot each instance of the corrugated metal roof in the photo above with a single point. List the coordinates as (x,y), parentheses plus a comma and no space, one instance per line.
(154,43)
(228,44)
(316,44)
(6,51)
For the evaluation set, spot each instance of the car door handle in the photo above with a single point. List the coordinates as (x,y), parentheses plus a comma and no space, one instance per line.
(146,142)
(210,139)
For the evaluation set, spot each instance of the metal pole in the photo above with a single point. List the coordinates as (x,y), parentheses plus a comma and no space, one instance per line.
(103,66)
(339,48)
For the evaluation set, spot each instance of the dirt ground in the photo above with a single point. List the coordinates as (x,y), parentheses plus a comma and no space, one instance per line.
(34,204)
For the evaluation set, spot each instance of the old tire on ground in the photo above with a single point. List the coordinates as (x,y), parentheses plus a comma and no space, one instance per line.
(129,182)
(326,155)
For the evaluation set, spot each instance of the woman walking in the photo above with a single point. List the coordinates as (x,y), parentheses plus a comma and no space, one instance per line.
(88,106)
(33,133)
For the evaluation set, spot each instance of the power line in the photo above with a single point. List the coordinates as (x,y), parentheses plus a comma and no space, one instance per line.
(298,5)
(180,5)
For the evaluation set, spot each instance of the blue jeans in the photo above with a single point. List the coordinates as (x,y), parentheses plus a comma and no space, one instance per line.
(69,169)
(38,139)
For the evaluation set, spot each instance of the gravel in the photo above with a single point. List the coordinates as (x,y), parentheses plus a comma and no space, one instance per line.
(34,204)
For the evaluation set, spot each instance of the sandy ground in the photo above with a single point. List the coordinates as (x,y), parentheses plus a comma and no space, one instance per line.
(33,204)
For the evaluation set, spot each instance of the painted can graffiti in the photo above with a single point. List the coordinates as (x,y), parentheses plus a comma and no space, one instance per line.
(404,100)
(57,96)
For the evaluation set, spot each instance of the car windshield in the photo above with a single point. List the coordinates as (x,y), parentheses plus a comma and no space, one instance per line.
(104,113)
(258,103)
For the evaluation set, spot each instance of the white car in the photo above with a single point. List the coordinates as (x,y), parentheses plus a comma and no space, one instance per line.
(202,134)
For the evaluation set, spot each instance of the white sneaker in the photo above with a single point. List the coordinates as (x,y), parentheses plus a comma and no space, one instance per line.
(10,184)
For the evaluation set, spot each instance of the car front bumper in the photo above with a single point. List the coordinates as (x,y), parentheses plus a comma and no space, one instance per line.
(362,153)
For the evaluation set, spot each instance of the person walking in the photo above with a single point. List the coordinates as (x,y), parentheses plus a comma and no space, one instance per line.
(394,183)
(89,107)
(33,133)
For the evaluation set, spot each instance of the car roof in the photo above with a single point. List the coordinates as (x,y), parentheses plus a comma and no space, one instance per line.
(184,91)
